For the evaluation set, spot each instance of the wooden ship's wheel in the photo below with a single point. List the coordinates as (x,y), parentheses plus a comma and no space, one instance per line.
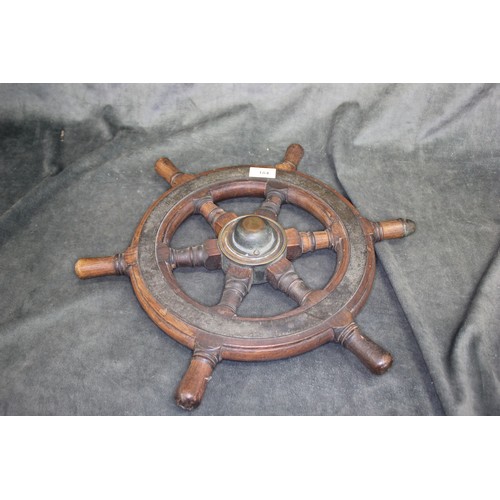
(252,249)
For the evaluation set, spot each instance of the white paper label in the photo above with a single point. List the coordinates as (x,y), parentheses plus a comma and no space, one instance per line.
(268,173)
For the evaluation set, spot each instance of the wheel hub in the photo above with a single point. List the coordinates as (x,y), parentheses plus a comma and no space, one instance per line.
(252,241)
(253,236)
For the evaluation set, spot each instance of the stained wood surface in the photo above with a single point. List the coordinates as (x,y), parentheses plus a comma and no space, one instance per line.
(194,383)
(95,267)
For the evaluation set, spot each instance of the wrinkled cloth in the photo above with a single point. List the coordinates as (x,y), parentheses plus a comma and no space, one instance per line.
(77,174)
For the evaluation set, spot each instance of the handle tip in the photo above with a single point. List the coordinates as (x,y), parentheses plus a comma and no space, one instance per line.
(293,155)
(187,401)
(381,364)
(192,386)
(77,269)
(411,227)
(95,267)
(373,356)
(391,229)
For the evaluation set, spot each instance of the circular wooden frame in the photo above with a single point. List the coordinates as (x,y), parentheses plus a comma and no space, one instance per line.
(217,333)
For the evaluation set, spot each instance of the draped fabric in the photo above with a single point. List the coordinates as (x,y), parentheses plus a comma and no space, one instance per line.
(76,164)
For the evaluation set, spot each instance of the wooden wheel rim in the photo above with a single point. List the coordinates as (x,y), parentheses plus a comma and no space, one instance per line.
(168,305)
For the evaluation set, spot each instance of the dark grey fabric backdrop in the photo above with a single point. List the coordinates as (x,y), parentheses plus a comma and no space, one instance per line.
(76,164)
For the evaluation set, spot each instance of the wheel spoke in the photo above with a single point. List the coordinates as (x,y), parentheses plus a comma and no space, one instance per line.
(300,242)
(237,285)
(207,255)
(216,216)
(282,276)
(276,194)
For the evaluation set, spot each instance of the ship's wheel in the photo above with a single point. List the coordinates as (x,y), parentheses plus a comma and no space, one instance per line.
(252,249)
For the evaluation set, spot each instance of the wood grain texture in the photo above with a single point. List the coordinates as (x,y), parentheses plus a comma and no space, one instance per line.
(194,383)
(282,275)
(236,287)
(94,267)
(291,160)
(166,169)
(392,229)
(374,357)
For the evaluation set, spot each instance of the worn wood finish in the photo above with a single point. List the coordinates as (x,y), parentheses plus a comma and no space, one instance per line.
(207,255)
(115,265)
(166,169)
(216,216)
(94,267)
(392,229)
(276,195)
(192,386)
(374,357)
(236,287)
(282,276)
(292,158)
(216,333)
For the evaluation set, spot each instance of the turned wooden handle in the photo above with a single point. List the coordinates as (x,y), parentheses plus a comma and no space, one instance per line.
(166,169)
(294,154)
(192,386)
(374,357)
(94,267)
(392,229)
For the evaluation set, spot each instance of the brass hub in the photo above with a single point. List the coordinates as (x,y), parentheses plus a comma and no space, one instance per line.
(252,240)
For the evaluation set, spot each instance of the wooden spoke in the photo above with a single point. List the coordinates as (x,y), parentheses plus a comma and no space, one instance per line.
(282,276)
(374,357)
(216,216)
(300,242)
(237,285)
(391,229)
(207,255)
(276,194)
